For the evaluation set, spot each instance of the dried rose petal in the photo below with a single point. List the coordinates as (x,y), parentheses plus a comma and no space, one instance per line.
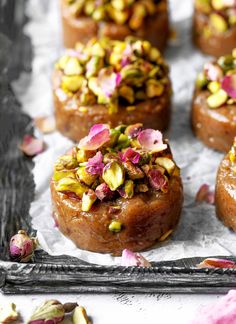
(95,165)
(108,81)
(21,247)
(216,263)
(228,84)
(31,146)
(98,135)
(204,194)
(130,155)
(151,140)
(45,124)
(213,72)
(157,179)
(103,192)
(130,259)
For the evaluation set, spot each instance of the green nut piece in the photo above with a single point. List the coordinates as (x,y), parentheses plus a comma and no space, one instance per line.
(129,188)
(73,67)
(65,162)
(114,136)
(154,54)
(123,142)
(118,4)
(109,157)
(203,5)
(127,93)
(132,75)
(137,18)
(113,107)
(93,66)
(89,7)
(217,99)
(62,62)
(234,53)
(72,83)
(85,177)
(232,20)
(218,4)
(115,226)
(58,175)
(226,62)
(113,175)
(71,185)
(154,88)
(218,23)
(80,316)
(97,50)
(166,163)
(120,17)
(99,13)
(88,199)
(83,156)
(133,171)
(201,81)
(214,86)
(142,188)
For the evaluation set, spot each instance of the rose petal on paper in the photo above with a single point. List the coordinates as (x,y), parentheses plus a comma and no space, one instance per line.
(216,263)
(131,155)
(95,165)
(130,259)
(157,179)
(228,84)
(46,124)
(98,135)
(31,145)
(213,72)
(151,140)
(205,195)
(221,312)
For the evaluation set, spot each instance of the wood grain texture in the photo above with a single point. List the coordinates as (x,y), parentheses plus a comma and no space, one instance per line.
(63,274)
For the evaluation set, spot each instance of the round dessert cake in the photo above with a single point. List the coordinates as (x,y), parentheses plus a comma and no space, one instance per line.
(225,195)
(214,103)
(214,26)
(115,19)
(111,82)
(117,189)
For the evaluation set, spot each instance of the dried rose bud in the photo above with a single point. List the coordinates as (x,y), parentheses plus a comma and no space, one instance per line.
(22,247)
(130,259)
(216,263)
(51,312)
(205,195)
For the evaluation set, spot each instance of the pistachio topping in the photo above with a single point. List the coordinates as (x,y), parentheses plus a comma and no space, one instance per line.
(221,13)
(129,12)
(106,165)
(113,73)
(219,79)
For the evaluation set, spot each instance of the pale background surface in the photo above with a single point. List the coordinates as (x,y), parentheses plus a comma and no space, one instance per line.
(199,231)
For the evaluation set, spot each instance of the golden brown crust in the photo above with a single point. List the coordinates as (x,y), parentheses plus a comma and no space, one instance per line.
(216,128)
(218,44)
(154,113)
(145,218)
(225,198)
(155,29)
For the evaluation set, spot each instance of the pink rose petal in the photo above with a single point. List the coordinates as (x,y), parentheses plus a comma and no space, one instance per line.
(216,263)
(45,124)
(151,140)
(98,135)
(223,311)
(205,195)
(130,259)
(213,72)
(157,179)
(108,81)
(130,155)
(103,192)
(31,146)
(229,85)
(95,164)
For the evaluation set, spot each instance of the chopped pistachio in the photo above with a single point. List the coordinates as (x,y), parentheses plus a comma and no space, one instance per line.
(88,199)
(166,163)
(114,136)
(99,13)
(203,5)
(58,175)
(217,99)
(85,177)
(201,81)
(62,62)
(226,62)
(83,109)
(115,226)
(113,175)
(114,209)
(129,188)
(154,88)
(72,83)
(139,13)
(142,188)
(71,185)
(127,93)
(154,54)
(218,23)
(123,141)
(133,171)
(80,316)
(73,67)
(65,162)
(83,156)
(120,17)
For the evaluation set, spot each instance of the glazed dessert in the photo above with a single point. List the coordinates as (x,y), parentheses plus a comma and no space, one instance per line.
(214,103)
(117,189)
(225,195)
(146,19)
(214,26)
(111,82)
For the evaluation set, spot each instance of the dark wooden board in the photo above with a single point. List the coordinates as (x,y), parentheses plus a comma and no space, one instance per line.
(63,274)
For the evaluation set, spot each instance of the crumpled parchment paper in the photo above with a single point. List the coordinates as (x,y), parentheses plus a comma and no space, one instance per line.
(199,233)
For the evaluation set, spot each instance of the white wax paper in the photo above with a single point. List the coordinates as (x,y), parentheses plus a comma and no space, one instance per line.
(199,233)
